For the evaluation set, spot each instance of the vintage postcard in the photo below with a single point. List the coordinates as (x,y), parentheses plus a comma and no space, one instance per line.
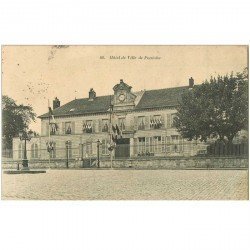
(125,122)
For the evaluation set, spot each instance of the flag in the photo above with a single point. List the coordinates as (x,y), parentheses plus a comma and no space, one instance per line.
(114,129)
(50,146)
(51,115)
(114,138)
(117,129)
(52,120)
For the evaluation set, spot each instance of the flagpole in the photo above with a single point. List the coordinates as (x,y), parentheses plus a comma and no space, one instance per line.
(49,133)
(110,134)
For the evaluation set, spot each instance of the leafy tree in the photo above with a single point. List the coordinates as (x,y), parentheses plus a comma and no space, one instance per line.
(215,109)
(15,118)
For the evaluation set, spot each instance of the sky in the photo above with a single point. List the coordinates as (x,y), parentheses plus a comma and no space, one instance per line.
(35,75)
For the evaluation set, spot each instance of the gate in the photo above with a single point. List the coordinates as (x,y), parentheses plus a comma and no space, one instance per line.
(122,149)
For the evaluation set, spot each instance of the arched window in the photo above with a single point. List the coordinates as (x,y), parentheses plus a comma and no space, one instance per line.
(20,151)
(34,150)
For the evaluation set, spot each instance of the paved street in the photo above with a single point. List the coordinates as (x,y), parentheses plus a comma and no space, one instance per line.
(127,184)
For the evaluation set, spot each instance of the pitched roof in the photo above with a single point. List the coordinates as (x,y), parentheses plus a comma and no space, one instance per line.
(158,98)
(150,99)
(82,106)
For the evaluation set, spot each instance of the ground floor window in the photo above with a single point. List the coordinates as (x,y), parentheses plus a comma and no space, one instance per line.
(68,149)
(104,147)
(85,149)
(89,148)
(20,151)
(148,145)
(158,145)
(34,151)
(141,145)
(176,144)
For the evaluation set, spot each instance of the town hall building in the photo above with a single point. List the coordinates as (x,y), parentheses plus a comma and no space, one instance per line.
(143,120)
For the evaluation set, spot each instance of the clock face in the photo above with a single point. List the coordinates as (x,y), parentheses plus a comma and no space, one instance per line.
(121,97)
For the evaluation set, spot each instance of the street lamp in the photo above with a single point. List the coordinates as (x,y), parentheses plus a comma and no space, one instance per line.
(24,136)
(98,153)
(67,152)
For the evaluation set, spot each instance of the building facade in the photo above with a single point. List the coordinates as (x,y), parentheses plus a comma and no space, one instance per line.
(144,120)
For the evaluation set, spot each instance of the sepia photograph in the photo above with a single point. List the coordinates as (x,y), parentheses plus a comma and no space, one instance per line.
(141,122)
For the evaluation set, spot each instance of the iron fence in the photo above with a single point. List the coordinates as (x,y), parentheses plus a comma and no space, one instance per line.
(228,149)
(88,152)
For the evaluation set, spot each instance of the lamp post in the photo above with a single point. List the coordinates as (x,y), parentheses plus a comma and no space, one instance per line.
(24,136)
(98,153)
(67,154)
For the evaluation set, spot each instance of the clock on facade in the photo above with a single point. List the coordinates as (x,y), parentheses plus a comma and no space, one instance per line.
(121,97)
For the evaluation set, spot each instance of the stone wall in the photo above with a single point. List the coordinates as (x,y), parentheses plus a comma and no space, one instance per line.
(147,163)
(180,163)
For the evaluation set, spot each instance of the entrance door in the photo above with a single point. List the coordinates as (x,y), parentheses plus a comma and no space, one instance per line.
(122,149)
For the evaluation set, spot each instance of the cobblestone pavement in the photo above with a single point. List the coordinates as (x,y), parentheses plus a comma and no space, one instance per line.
(127,184)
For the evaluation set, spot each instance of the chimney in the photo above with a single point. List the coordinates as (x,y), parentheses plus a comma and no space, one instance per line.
(191,82)
(121,81)
(56,103)
(92,94)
